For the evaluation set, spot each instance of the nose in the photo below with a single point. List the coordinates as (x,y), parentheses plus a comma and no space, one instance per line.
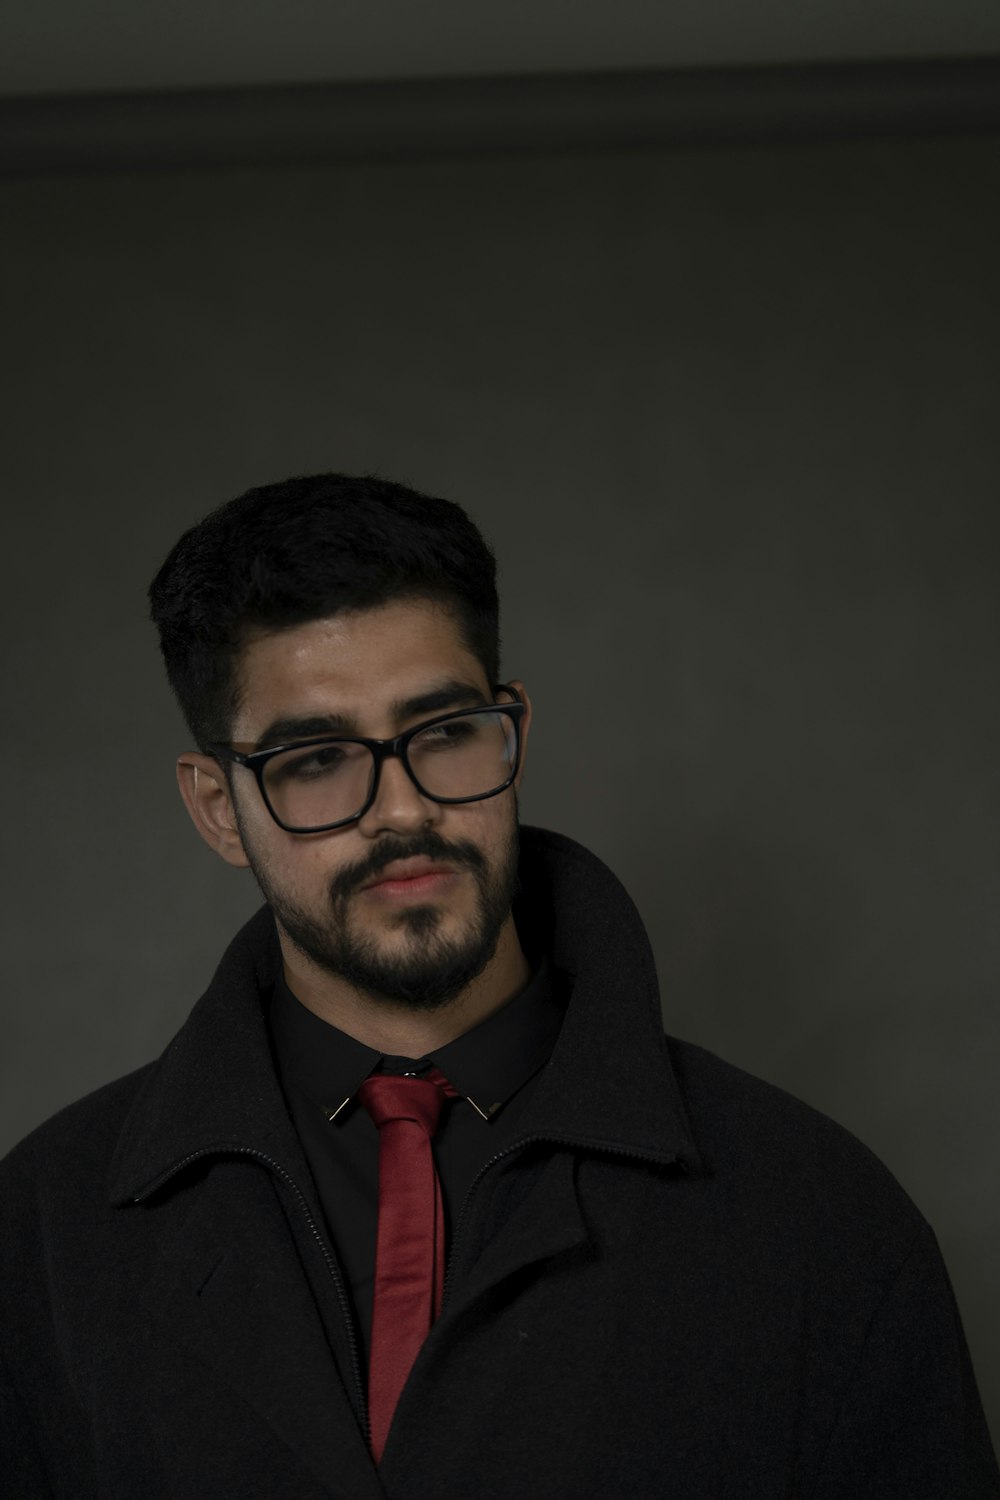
(397,806)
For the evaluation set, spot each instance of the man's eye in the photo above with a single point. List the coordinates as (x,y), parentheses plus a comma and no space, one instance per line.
(308,765)
(439,736)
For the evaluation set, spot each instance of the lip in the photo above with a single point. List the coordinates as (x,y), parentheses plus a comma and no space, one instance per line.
(409,877)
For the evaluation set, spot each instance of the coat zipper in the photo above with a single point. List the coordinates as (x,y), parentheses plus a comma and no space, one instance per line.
(278,1169)
(535,1140)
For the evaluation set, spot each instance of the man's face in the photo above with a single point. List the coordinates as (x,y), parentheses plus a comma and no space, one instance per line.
(407,903)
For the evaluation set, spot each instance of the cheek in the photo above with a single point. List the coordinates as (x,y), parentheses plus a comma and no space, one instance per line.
(494,829)
(485,824)
(297,866)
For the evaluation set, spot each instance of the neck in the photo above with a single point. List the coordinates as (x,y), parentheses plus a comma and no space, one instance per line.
(399,1029)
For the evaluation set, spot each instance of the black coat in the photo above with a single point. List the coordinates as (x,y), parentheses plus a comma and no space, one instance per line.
(684,1284)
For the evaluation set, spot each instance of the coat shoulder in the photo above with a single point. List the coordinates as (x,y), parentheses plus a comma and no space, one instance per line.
(786,1157)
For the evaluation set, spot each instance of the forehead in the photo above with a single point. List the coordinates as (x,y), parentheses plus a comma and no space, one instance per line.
(359,663)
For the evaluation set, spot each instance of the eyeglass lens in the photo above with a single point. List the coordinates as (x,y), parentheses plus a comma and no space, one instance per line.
(465,757)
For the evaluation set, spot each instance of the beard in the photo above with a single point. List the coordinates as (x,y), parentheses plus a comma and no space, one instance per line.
(429,968)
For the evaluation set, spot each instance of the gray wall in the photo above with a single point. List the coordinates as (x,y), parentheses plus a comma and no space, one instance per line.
(729,416)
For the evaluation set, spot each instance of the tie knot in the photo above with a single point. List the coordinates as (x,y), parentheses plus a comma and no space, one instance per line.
(387,1096)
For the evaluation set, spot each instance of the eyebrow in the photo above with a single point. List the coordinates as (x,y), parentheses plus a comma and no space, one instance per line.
(443,696)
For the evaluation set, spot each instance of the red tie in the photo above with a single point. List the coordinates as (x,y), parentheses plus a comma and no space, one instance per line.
(409,1251)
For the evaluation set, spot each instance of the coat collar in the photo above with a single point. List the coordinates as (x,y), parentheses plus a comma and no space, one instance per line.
(608,1085)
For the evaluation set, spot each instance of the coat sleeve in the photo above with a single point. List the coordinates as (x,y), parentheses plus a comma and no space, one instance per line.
(22,1472)
(912,1426)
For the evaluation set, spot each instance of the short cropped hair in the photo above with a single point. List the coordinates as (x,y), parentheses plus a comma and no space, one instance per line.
(304,549)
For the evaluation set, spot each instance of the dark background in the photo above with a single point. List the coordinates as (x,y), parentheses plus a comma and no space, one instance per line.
(727,407)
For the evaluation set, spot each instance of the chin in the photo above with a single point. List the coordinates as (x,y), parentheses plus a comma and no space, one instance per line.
(425,969)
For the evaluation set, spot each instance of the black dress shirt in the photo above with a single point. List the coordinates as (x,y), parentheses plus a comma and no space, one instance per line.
(493,1067)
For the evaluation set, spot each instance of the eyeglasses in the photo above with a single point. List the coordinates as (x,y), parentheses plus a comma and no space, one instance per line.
(318,784)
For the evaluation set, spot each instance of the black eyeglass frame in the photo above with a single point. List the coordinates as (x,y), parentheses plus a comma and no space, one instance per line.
(381,750)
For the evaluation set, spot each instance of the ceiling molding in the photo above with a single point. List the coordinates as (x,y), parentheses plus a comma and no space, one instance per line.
(459,117)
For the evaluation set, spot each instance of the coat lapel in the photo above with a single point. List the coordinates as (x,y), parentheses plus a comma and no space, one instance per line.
(229,1285)
(241,1279)
(607,1089)
(530,1215)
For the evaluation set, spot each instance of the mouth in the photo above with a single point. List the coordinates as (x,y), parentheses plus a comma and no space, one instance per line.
(408,879)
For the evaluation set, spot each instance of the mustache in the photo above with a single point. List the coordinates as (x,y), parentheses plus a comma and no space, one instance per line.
(427,844)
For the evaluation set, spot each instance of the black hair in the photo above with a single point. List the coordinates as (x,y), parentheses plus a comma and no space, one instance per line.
(304,549)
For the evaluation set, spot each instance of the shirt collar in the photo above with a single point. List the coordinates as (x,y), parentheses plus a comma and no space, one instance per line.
(487,1064)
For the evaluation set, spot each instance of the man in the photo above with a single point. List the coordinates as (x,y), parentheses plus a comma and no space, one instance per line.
(440,1042)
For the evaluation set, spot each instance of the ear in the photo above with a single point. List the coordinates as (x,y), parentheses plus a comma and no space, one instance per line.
(207,798)
(522,693)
